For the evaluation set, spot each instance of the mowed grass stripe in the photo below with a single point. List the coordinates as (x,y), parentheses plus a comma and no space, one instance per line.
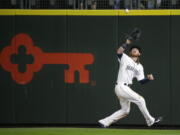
(84,131)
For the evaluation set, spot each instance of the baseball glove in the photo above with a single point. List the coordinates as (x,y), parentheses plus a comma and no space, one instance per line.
(134,35)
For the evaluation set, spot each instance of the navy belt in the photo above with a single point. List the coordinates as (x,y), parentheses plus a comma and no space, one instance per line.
(129,85)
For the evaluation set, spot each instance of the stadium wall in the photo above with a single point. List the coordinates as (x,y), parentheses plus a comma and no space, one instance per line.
(50,95)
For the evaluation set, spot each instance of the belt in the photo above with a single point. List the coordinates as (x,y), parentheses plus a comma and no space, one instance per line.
(129,85)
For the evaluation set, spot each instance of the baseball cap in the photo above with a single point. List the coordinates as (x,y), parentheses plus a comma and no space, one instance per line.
(135,46)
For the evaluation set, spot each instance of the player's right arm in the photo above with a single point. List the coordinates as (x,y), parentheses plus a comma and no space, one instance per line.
(121,49)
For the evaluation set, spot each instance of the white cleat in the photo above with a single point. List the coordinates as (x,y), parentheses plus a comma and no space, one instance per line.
(156,121)
(102,124)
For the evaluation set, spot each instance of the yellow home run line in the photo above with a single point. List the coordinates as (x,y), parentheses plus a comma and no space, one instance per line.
(10,12)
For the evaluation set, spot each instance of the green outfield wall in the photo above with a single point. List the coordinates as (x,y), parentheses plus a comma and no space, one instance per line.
(40,86)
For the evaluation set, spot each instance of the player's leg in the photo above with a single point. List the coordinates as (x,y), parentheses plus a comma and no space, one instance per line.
(124,111)
(140,102)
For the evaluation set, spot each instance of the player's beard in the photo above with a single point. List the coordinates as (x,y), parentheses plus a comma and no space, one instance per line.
(137,56)
(134,55)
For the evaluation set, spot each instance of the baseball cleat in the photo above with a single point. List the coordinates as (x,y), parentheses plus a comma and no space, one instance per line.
(157,120)
(102,124)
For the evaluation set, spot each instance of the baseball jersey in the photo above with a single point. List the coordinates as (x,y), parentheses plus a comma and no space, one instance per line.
(129,69)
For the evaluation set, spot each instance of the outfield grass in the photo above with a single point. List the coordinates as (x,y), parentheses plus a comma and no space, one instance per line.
(84,131)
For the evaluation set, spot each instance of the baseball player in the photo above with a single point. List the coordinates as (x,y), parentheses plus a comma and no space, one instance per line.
(130,68)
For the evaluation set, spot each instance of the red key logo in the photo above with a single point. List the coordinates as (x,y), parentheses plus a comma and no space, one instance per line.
(75,61)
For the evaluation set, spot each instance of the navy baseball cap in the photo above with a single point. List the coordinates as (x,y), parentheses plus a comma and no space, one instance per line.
(135,46)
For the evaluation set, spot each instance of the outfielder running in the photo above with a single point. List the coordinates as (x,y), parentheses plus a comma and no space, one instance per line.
(130,68)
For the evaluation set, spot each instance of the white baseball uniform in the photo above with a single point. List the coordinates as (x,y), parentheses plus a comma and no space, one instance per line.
(128,70)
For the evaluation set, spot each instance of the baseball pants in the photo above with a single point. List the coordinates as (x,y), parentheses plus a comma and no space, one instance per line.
(126,95)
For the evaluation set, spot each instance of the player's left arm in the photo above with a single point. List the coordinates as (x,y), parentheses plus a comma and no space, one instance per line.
(142,79)
(149,77)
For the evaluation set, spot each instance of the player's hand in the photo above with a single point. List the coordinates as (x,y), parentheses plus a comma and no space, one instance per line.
(150,77)
(128,41)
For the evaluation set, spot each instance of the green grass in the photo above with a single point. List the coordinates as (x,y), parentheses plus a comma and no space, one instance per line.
(84,131)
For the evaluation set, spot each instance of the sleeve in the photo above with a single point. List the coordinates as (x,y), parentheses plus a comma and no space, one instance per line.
(141,78)
(143,81)
(119,56)
(140,75)
(122,57)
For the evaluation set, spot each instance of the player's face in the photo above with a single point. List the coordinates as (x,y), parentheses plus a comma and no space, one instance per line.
(135,52)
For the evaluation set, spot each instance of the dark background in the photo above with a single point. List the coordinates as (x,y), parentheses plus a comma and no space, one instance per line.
(48,99)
